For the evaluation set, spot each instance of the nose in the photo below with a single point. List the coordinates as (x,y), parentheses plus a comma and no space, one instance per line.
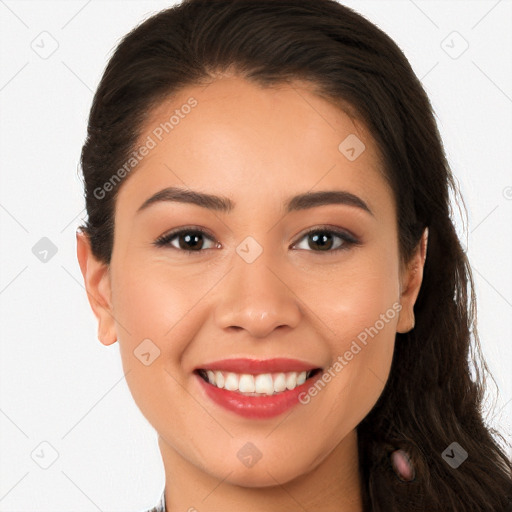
(257,297)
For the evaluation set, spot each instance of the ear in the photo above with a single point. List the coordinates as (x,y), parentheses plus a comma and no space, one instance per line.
(411,279)
(97,284)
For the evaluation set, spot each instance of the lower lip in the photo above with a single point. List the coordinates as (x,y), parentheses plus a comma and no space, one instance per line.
(256,407)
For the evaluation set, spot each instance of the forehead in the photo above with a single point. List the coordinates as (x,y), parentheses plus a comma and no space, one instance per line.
(253,143)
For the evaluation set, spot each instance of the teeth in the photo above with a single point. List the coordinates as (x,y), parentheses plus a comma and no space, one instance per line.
(280,382)
(246,384)
(231,383)
(261,384)
(301,378)
(219,379)
(291,381)
(264,384)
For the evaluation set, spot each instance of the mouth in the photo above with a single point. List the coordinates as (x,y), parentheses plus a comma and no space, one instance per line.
(256,390)
(256,384)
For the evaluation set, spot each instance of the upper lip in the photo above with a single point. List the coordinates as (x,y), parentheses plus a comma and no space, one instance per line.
(245,365)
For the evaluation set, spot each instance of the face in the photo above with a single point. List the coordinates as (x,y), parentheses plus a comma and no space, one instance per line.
(317,281)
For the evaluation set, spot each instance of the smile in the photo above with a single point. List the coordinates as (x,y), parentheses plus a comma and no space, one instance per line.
(263,384)
(256,389)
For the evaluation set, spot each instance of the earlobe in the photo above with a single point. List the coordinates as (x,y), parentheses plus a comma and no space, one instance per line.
(412,280)
(98,287)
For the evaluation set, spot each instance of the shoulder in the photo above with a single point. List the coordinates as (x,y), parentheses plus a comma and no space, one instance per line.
(160,507)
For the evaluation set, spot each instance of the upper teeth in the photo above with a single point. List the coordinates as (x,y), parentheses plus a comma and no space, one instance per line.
(265,383)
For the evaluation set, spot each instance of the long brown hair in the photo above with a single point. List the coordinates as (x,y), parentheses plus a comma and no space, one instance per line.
(431,399)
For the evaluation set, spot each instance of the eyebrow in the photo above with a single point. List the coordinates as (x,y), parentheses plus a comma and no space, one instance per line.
(223,204)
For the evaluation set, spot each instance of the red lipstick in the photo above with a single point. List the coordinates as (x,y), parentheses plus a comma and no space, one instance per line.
(254,366)
(256,407)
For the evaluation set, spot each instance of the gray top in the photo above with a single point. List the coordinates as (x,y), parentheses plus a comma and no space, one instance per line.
(160,507)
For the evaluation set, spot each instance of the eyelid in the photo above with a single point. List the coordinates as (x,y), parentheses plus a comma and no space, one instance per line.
(341,232)
(177,231)
(161,240)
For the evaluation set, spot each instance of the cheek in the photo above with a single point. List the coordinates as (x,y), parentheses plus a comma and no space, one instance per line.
(150,306)
(358,312)
(352,296)
(150,299)
(363,330)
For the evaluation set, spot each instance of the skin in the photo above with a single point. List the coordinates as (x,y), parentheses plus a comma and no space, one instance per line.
(257,146)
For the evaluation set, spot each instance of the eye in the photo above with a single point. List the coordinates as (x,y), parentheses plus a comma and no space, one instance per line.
(321,240)
(188,240)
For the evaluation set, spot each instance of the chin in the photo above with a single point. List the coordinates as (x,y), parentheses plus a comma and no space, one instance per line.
(259,475)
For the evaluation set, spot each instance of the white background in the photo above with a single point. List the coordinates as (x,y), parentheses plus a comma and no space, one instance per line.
(59,384)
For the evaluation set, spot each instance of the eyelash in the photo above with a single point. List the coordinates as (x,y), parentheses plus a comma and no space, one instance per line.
(348,239)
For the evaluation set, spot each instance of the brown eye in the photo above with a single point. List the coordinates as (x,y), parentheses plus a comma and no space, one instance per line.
(188,240)
(327,240)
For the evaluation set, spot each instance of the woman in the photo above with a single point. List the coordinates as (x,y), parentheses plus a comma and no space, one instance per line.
(269,239)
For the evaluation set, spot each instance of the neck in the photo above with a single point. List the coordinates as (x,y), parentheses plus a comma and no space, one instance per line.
(332,485)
